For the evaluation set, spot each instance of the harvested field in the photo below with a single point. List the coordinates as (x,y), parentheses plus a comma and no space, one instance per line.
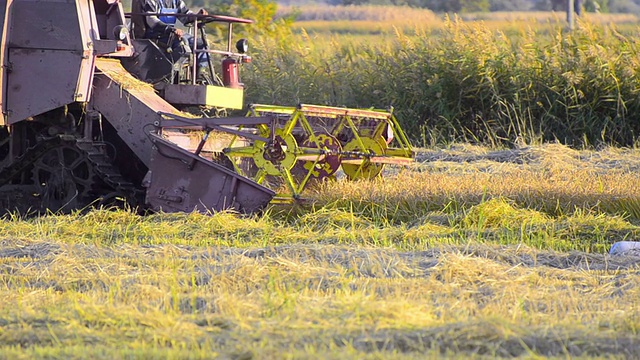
(472,252)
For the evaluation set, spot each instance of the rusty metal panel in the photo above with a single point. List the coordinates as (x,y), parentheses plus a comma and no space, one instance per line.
(4,21)
(42,80)
(183,182)
(53,24)
(128,104)
(47,57)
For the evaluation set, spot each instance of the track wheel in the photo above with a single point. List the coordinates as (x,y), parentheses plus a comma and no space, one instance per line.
(364,168)
(64,177)
(318,167)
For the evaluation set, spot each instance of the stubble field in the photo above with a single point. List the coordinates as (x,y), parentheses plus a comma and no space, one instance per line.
(471,252)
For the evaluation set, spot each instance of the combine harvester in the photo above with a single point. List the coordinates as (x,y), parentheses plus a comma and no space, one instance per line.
(92,117)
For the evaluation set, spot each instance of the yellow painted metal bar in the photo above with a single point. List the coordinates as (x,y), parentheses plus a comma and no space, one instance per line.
(339,111)
(291,183)
(338,128)
(286,110)
(304,181)
(236,167)
(242,151)
(307,127)
(398,152)
(404,141)
(355,132)
(260,176)
(289,125)
(281,199)
(360,169)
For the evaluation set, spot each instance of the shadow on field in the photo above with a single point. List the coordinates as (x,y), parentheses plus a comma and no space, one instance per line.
(480,338)
(22,249)
(423,260)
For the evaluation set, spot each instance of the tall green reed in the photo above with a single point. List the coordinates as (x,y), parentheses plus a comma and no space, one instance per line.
(466,82)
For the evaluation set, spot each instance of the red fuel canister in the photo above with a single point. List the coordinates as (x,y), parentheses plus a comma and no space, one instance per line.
(230,73)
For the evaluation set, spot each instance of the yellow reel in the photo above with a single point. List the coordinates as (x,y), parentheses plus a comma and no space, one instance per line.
(277,156)
(364,167)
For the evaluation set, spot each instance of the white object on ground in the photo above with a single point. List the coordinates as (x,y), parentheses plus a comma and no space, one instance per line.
(625,248)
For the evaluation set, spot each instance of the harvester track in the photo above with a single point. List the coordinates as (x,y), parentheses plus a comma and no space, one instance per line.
(105,186)
(27,159)
(122,188)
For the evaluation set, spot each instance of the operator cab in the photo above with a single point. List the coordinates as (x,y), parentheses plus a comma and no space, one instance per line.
(177,79)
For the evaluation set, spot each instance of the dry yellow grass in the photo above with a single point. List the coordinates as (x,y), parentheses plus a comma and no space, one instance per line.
(471,264)
(379,13)
(387,19)
(313,301)
(552,178)
(548,16)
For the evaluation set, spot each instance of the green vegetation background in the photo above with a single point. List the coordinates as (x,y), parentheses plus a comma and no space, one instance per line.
(455,80)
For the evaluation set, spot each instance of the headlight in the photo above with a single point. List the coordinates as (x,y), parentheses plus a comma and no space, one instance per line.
(242,45)
(120,32)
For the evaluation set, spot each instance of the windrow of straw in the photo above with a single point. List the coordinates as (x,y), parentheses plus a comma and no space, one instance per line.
(467,82)
(553,180)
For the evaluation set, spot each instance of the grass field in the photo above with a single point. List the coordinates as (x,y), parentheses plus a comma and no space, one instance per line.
(375,20)
(471,252)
